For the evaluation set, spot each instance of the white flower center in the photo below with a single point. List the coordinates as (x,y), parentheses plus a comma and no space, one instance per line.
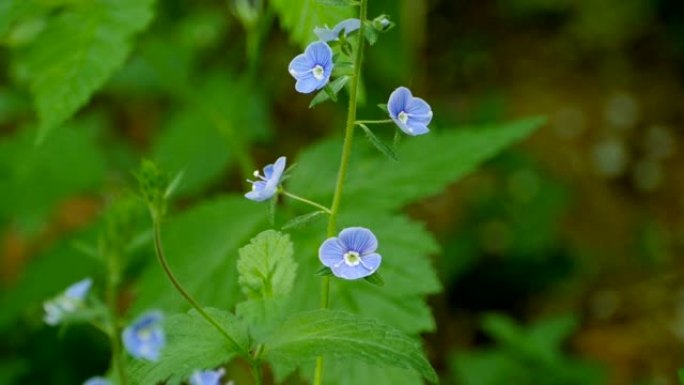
(352,258)
(318,72)
(403,117)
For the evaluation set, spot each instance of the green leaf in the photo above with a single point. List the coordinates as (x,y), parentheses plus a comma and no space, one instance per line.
(266,266)
(69,164)
(302,16)
(379,144)
(79,49)
(191,344)
(370,33)
(334,87)
(429,163)
(302,220)
(191,144)
(341,336)
(201,246)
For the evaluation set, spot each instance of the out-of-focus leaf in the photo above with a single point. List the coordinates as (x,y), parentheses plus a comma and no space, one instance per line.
(192,344)
(79,49)
(302,16)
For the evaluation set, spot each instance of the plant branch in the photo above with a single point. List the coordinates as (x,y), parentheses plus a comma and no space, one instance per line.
(304,200)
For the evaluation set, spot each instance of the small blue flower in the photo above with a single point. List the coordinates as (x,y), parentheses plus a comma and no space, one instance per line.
(207,377)
(267,185)
(411,114)
(72,299)
(351,255)
(312,69)
(145,338)
(97,381)
(348,26)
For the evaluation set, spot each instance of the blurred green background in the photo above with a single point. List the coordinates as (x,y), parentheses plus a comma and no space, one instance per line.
(561,256)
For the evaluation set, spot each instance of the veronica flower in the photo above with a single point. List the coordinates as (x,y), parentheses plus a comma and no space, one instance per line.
(351,255)
(97,381)
(312,69)
(348,26)
(207,377)
(72,299)
(267,185)
(145,338)
(411,114)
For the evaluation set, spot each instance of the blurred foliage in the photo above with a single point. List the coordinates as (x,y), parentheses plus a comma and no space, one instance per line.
(586,221)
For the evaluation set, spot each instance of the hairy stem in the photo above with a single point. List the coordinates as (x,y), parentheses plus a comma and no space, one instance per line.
(304,200)
(165,265)
(344,162)
(379,121)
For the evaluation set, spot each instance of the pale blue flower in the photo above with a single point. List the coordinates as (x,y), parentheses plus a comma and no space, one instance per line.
(351,255)
(312,69)
(207,377)
(145,337)
(348,26)
(411,114)
(267,185)
(97,381)
(72,299)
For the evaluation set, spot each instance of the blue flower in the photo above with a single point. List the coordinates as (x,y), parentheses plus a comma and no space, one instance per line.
(207,377)
(72,299)
(351,255)
(312,69)
(411,114)
(348,26)
(267,185)
(145,338)
(97,381)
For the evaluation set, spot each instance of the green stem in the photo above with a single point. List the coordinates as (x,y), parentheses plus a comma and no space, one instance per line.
(379,121)
(304,200)
(344,162)
(162,260)
(114,331)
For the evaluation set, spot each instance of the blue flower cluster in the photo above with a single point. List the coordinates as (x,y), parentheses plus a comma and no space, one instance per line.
(69,302)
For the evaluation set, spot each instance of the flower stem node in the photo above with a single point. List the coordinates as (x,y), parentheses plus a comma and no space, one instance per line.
(410,113)
(267,185)
(351,255)
(145,337)
(312,69)
(154,184)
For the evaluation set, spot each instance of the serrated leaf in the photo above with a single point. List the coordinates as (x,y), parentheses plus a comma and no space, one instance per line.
(79,49)
(191,344)
(201,246)
(334,87)
(379,144)
(266,266)
(302,16)
(341,336)
(429,163)
(302,220)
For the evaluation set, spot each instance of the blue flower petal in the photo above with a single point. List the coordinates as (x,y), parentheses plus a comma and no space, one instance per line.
(207,377)
(398,100)
(416,129)
(348,26)
(419,110)
(97,381)
(331,252)
(371,262)
(308,85)
(319,53)
(145,338)
(361,270)
(300,66)
(79,289)
(358,239)
(267,186)
(325,34)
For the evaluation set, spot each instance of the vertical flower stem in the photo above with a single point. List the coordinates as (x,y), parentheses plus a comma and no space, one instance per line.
(167,269)
(114,331)
(344,162)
